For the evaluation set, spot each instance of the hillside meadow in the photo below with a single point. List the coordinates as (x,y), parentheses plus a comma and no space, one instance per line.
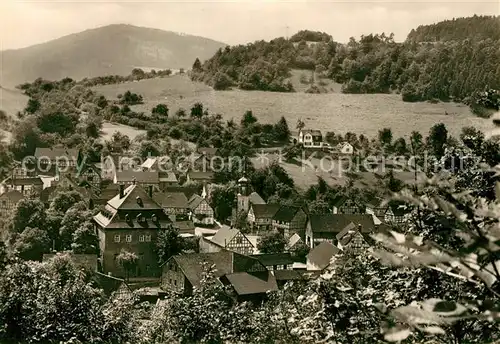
(337,112)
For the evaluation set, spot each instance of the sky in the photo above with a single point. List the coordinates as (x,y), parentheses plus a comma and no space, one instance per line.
(24,23)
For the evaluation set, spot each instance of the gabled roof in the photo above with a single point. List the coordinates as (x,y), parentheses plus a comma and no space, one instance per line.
(351,238)
(150,177)
(171,199)
(286,213)
(189,191)
(130,202)
(313,132)
(23,181)
(245,283)
(195,201)
(224,262)
(398,208)
(167,177)
(184,226)
(288,275)
(53,153)
(13,195)
(270,259)
(335,223)
(224,236)
(207,175)
(256,199)
(265,210)
(321,255)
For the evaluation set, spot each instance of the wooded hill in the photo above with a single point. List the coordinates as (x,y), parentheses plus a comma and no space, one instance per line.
(449,60)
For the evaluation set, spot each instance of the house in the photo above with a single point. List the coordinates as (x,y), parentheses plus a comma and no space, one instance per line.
(345,148)
(9,201)
(321,256)
(285,276)
(163,166)
(345,205)
(289,220)
(202,212)
(227,238)
(352,240)
(396,213)
(200,177)
(145,179)
(130,221)
(174,204)
(189,191)
(87,262)
(250,286)
(245,198)
(185,228)
(260,216)
(24,169)
(65,159)
(310,138)
(185,272)
(376,208)
(91,175)
(325,227)
(26,186)
(113,163)
(107,192)
(275,261)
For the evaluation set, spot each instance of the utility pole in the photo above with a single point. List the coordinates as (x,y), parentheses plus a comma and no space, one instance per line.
(286,28)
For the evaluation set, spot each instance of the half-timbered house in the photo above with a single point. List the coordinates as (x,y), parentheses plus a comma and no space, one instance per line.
(227,239)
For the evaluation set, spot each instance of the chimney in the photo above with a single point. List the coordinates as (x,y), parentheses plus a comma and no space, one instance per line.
(122,190)
(150,191)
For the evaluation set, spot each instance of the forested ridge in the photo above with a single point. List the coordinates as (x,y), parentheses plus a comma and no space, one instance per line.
(450,60)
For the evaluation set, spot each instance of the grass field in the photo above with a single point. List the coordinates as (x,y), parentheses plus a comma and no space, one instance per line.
(108,129)
(337,112)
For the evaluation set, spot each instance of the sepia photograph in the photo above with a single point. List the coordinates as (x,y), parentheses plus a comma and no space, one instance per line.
(249,171)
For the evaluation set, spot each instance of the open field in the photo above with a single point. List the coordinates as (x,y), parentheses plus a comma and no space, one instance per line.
(108,129)
(337,112)
(12,101)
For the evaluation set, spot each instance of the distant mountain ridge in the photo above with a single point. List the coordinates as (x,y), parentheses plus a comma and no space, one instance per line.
(108,50)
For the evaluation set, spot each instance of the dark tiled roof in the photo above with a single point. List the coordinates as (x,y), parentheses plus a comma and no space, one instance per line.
(189,191)
(184,226)
(130,202)
(171,199)
(313,132)
(399,208)
(224,262)
(321,255)
(23,181)
(256,199)
(149,177)
(288,275)
(265,210)
(208,175)
(245,283)
(47,192)
(53,153)
(335,223)
(195,201)
(286,213)
(274,259)
(167,177)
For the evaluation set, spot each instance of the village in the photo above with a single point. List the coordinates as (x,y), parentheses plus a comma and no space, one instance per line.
(133,201)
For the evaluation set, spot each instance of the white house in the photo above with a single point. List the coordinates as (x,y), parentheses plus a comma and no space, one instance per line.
(345,148)
(310,138)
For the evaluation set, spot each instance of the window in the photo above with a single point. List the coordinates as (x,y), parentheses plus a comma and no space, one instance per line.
(4,204)
(148,238)
(170,281)
(129,238)
(141,238)
(239,240)
(117,238)
(175,282)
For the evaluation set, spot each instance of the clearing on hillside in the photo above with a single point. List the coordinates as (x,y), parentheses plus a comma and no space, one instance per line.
(12,101)
(337,112)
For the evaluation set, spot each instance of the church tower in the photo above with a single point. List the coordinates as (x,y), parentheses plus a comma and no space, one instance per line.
(243,195)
